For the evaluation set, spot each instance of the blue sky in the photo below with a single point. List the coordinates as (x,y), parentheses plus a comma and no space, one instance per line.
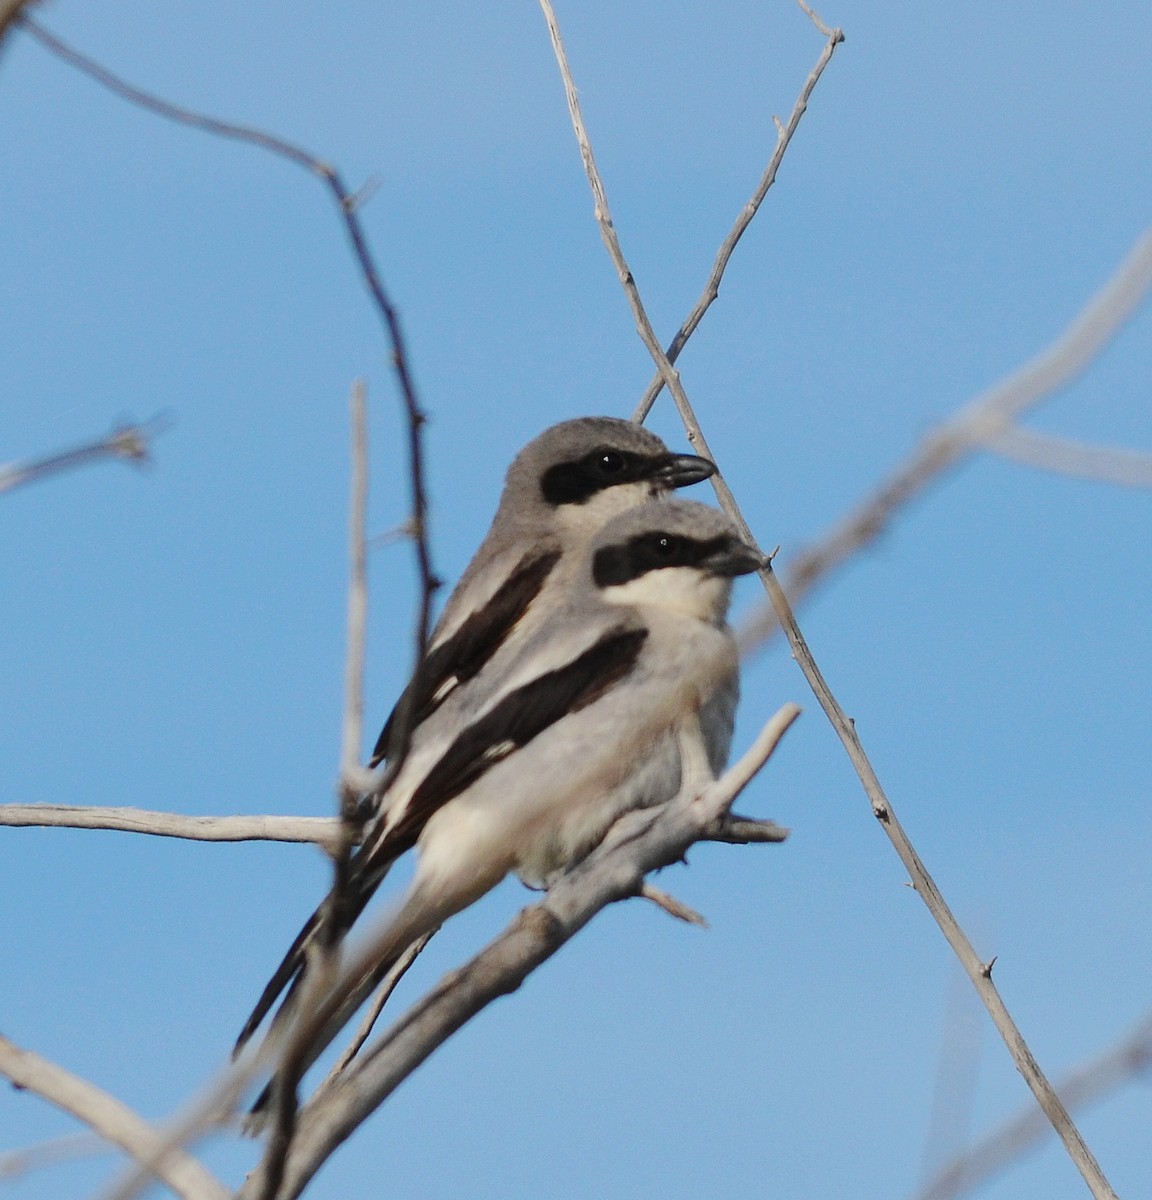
(965,178)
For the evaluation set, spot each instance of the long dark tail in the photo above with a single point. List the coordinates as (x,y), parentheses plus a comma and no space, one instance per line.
(290,973)
(427,905)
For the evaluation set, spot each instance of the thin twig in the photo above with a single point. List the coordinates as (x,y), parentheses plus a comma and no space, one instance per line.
(215,1107)
(357,595)
(978,424)
(1128,1060)
(112,1120)
(712,287)
(72,1146)
(129,443)
(347,204)
(672,906)
(383,994)
(982,421)
(322,831)
(1103,464)
(978,972)
(614,872)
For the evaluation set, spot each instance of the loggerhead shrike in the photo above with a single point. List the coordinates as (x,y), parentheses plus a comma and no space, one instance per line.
(581,725)
(559,491)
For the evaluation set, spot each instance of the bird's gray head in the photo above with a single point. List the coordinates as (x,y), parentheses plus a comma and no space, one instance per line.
(580,473)
(675,554)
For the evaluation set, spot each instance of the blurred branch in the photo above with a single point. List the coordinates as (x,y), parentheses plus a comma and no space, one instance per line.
(9,12)
(130,443)
(712,287)
(323,831)
(979,425)
(988,415)
(383,993)
(348,204)
(112,1120)
(641,842)
(72,1146)
(1105,464)
(1127,1060)
(979,972)
(357,595)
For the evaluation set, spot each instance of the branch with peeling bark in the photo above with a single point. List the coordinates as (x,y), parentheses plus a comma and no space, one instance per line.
(641,843)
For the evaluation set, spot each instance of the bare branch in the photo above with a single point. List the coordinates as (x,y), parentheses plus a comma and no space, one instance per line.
(988,414)
(978,972)
(322,831)
(1129,1059)
(111,1119)
(979,423)
(1104,464)
(357,595)
(672,906)
(744,831)
(347,204)
(712,287)
(383,995)
(129,443)
(614,872)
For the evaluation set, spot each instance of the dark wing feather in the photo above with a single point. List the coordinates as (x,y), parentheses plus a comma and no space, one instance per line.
(513,723)
(461,656)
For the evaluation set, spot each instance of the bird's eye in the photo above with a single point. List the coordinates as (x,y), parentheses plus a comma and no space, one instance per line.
(608,462)
(665,546)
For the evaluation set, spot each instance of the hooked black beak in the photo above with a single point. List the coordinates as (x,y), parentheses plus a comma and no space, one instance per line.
(735,558)
(682,470)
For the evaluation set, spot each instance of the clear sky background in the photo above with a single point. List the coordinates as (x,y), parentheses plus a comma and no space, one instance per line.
(966,177)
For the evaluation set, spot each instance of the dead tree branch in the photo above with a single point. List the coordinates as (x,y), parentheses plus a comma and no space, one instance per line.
(322,831)
(1129,1059)
(1104,464)
(128,443)
(711,291)
(980,421)
(979,972)
(112,1120)
(978,425)
(642,842)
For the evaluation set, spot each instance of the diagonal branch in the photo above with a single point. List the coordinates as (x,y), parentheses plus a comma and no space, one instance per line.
(1105,464)
(641,843)
(1128,1060)
(979,420)
(979,972)
(129,443)
(112,1120)
(712,287)
(976,426)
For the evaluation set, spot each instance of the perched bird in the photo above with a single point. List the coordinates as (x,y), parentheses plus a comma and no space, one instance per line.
(559,491)
(580,725)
